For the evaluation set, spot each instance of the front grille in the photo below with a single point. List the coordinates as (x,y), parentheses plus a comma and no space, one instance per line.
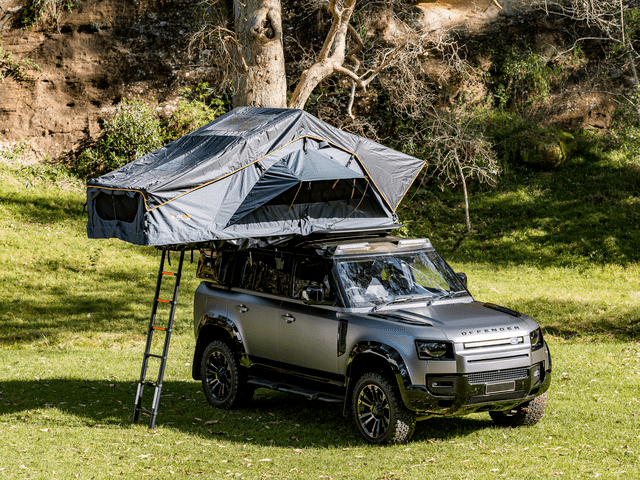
(498,376)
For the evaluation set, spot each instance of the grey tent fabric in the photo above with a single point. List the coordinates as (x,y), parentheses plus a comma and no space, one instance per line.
(252,173)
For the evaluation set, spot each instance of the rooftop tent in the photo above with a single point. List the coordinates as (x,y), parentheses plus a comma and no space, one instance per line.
(252,173)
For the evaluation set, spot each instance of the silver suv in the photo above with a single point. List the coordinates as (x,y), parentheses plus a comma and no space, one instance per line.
(379,324)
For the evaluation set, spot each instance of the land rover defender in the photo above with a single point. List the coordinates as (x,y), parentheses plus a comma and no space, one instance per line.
(379,324)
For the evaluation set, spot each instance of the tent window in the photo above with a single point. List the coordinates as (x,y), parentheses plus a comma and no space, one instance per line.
(111,207)
(321,191)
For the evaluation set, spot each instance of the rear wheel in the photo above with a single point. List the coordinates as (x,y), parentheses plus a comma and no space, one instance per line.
(529,413)
(223,381)
(378,411)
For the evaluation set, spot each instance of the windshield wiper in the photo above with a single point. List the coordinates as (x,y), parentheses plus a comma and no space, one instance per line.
(450,294)
(404,299)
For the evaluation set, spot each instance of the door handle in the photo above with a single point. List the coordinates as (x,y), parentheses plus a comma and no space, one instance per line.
(288,318)
(242,308)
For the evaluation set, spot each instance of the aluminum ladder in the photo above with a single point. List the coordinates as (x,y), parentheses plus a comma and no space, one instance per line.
(153,328)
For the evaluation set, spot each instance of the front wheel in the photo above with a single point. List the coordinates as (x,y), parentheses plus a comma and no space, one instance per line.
(529,413)
(222,379)
(378,411)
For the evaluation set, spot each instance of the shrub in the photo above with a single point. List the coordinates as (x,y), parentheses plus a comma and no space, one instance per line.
(517,140)
(195,109)
(521,78)
(45,12)
(133,132)
(14,152)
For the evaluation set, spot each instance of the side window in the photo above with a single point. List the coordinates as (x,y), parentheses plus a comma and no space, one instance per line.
(266,273)
(312,273)
(214,266)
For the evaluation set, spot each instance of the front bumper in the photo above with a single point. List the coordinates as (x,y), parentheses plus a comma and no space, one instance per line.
(484,391)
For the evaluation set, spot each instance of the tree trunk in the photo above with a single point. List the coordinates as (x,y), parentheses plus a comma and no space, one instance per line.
(308,81)
(330,58)
(466,195)
(259,79)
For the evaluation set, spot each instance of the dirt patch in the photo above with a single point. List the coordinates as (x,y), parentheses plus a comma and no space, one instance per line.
(472,15)
(574,110)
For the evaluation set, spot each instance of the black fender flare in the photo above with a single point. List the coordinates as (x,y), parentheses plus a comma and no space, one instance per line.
(222,323)
(384,352)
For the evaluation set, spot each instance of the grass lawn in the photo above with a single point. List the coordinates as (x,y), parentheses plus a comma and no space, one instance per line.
(67,412)
(74,314)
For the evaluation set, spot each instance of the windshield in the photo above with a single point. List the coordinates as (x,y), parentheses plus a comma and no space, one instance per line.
(386,279)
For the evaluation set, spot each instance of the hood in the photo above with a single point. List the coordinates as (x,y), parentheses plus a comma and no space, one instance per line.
(465,322)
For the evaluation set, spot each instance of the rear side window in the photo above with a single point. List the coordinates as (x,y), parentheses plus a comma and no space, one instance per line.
(267,273)
(214,266)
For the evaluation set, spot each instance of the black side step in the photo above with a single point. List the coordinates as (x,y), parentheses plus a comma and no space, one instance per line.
(286,388)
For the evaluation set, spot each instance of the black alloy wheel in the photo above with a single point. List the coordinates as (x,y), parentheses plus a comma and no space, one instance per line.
(221,376)
(373,411)
(378,411)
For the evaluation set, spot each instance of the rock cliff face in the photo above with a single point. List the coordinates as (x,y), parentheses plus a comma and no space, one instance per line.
(99,53)
(106,50)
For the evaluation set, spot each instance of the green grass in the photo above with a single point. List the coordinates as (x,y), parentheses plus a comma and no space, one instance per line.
(561,246)
(62,289)
(74,314)
(69,412)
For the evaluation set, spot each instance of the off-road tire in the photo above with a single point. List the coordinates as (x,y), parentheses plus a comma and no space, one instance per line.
(378,411)
(223,381)
(528,413)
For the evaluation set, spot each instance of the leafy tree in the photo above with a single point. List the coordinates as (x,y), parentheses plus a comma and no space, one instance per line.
(249,49)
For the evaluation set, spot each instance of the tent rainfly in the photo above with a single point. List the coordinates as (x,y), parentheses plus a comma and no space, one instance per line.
(260,174)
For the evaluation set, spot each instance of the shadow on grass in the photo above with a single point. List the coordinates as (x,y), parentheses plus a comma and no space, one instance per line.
(116,301)
(43,207)
(25,322)
(270,419)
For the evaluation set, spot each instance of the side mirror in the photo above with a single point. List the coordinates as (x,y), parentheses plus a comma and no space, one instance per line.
(463,278)
(313,294)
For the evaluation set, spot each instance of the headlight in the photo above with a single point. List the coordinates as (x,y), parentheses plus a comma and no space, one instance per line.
(430,349)
(536,339)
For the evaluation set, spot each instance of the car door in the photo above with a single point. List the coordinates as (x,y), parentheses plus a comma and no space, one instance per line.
(256,305)
(308,334)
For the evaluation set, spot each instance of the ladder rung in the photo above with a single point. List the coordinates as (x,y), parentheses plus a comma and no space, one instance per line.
(153,412)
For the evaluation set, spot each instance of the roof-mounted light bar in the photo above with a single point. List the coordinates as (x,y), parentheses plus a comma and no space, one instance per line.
(414,242)
(354,246)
